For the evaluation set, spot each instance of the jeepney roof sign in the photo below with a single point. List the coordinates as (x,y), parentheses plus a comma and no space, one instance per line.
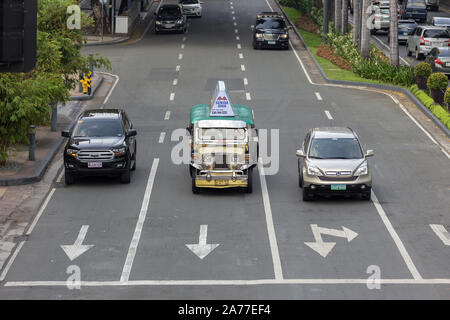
(220,104)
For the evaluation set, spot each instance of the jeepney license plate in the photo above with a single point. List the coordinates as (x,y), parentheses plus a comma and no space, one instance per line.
(271,42)
(94,164)
(221,182)
(338,187)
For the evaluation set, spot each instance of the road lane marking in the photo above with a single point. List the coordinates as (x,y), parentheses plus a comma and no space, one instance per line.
(234,18)
(180,56)
(178,68)
(175,81)
(269,5)
(442,233)
(232,12)
(182,46)
(241,56)
(172,96)
(202,249)
(184,39)
(234,23)
(248,96)
(270,226)
(300,61)
(112,88)
(167,115)
(225,282)
(239,46)
(245,82)
(76,249)
(60,176)
(237,38)
(318,96)
(409,263)
(162,135)
(11,260)
(41,210)
(328,114)
(236,31)
(140,223)
(242,67)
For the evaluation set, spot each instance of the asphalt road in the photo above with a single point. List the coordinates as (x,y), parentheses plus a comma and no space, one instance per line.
(139,231)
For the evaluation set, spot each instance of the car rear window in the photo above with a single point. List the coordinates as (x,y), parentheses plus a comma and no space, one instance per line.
(98,128)
(444,53)
(405,25)
(416,4)
(442,21)
(436,34)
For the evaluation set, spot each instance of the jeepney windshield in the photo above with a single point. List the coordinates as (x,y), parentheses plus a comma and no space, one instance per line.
(221,134)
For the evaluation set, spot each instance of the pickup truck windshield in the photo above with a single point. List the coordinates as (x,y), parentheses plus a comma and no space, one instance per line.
(270,23)
(98,128)
(222,134)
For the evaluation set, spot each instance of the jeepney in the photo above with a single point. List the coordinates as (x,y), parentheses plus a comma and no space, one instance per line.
(224,144)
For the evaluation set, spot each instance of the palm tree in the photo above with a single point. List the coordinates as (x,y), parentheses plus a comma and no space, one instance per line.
(356,21)
(365,33)
(393,33)
(344,27)
(337,14)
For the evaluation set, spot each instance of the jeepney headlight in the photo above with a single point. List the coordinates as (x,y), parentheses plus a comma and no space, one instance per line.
(207,158)
(362,170)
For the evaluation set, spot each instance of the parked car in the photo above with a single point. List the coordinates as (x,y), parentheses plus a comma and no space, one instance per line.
(440,22)
(432,5)
(439,60)
(102,143)
(170,17)
(426,38)
(405,30)
(192,7)
(414,9)
(331,161)
(380,20)
(270,31)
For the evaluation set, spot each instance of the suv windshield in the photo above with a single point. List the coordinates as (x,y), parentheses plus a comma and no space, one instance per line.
(435,34)
(169,12)
(416,3)
(189,1)
(270,23)
(221,134)
(98,128)
(334,148)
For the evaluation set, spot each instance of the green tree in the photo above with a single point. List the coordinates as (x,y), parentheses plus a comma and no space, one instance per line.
(25,98)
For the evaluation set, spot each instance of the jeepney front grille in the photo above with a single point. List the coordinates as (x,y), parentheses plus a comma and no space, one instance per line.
(95,155)
(220,161)
(269,36)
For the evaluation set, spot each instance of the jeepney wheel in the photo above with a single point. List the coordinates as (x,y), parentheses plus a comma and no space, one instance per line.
(191,171)
(195,189)
(249,188)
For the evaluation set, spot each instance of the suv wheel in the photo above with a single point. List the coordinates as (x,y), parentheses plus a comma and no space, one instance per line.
(68,178)
(408,53)
(126,176)
(307,195)
(373,31)
(366,196)
(249,188)
(419,56)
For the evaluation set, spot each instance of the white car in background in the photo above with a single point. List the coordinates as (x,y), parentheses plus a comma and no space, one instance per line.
(192,8)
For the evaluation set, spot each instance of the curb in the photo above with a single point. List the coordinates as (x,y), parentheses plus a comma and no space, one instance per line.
(89,97)
(412,97)
(38,174)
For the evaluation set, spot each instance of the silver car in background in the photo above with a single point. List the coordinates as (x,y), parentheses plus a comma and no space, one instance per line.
(332,162)
(426,38)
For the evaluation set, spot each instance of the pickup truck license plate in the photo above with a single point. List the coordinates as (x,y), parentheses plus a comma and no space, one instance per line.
(221,182)
(271,42)
(338,187)
(95,164)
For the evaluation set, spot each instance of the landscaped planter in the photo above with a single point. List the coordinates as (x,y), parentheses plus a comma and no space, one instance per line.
(438,96)
(422,82)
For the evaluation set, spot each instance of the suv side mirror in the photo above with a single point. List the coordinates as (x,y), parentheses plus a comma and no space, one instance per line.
(65,133)
(131,132)
(370,153)
(300,154)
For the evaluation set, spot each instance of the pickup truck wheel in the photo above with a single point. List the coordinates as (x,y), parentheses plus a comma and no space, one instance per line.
(249,188)
(68,178)
(191,171)
(126,177)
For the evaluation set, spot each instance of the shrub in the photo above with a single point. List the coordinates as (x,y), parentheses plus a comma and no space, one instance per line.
(437,80)
(422,69)
(447,97)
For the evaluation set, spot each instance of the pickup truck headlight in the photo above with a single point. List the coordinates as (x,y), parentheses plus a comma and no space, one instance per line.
(119,151)
(180,21)
(362,170)
(158,22)
(259,35)
(313,170)
(284,36)
(72,152)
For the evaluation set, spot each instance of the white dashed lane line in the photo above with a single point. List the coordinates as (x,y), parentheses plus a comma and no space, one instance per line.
(178,68)
(161,137)
(328,115)
(236,30)
(241,56)
(175,82)
(242,67)
(182,46)
(172,96)
(318,96)
(167,115)
(248,96)
(245,82)
(239,46)
(237,38)
(180,56)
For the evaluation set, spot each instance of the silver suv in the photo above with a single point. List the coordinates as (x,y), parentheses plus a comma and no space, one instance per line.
(332,161)
(426,38)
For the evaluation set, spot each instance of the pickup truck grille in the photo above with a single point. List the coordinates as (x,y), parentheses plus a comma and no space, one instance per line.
(268,36)
(95,155)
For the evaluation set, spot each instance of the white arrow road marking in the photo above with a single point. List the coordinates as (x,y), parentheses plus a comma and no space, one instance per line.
(442,233)
(202,249)
(78,248)
(324,248)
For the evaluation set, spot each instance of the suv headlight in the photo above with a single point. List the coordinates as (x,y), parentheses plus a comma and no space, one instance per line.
(284,36)
(119,151)
(259,35)
(72,152)
(362,170)
(158,22)
(313,170)
(180,21)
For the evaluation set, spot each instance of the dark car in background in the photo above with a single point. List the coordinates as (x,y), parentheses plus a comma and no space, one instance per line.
(270,31)
(102,143)
(439,60)
(414,9)
(171,18)
(405,29)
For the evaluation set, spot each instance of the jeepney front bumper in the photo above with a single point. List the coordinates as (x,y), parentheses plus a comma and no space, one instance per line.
(221,179)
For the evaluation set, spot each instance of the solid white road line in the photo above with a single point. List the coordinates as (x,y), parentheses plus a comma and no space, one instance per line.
(409,263)
(60,176)
(178,68)
(270,226)
(245,82)
(318,96)
(328,115)
(112,88)
(11,260)
(167,115)
(41,210)
(172,96)
(242,67)
(162,135)
(248,96)
(269,5)
(140,223)
(227,282)
(442,233)
(175,81)
(241,56)
(300,62)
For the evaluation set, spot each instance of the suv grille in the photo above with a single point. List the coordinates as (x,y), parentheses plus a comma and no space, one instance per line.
(95,155)
(338,178)
(268,36)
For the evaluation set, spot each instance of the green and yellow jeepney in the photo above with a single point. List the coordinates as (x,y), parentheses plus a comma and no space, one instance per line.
(224,149)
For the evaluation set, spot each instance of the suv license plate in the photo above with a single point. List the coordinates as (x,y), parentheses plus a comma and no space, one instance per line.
(221,182)
(338,187)
(94,164)
(271,42)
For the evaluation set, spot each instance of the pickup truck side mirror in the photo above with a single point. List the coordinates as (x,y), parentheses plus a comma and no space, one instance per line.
(370,153)
(300,154)
(65,134)
(131,133)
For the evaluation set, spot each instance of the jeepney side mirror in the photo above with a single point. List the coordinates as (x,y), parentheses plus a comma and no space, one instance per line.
(370,153)
(300,154)
(188,130)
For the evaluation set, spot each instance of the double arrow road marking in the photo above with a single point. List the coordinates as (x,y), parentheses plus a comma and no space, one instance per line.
(324,248)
